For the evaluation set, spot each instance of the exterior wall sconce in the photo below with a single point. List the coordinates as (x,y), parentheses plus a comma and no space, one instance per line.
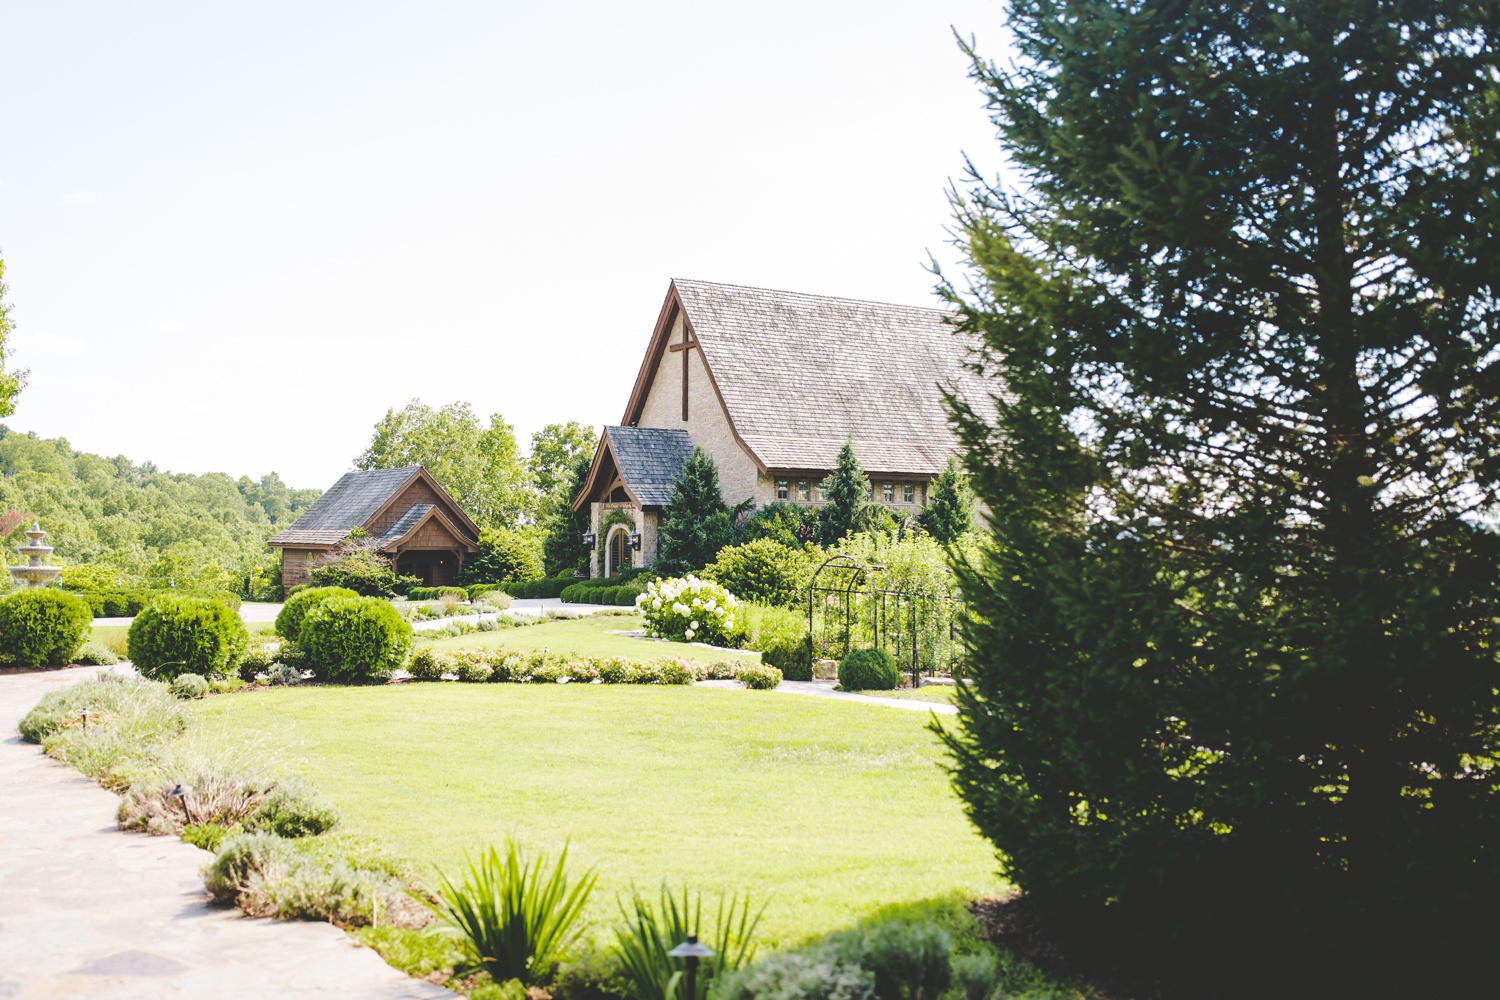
(635,541)
(589,541)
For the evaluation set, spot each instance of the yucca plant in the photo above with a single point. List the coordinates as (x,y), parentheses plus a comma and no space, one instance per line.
(511,921)
(649,932)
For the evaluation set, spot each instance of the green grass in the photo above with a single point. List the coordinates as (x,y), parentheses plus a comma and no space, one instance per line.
(588,636)
(825,809)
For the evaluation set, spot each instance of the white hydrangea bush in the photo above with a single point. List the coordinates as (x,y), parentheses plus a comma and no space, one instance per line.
(687,609)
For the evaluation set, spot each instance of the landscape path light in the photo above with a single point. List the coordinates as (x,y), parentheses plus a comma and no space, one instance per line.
(180,794)
(85,716)
(690,951)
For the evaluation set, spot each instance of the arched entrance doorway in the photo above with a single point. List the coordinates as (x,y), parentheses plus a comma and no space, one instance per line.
(617,552)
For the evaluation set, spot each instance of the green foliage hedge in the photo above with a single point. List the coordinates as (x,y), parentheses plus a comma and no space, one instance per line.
(301,601)
(128,603)
(547,587)
(868,670)
(618,595)
(186,635)
(42,626)
(353,639)
(437,593)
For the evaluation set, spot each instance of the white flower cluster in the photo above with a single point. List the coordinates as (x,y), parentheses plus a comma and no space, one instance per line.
(688,609)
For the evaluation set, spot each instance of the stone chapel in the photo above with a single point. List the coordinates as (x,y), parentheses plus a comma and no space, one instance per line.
(770,384)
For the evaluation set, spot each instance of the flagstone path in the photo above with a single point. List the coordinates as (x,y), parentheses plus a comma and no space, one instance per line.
(88,911)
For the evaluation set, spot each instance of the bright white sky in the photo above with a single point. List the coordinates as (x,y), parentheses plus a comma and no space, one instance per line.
(234,237)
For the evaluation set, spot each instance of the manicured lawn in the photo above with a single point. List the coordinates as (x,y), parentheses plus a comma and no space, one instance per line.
(825,809)
(588,636)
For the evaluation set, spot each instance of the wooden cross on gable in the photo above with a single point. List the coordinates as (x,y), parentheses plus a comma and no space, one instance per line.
(688,343)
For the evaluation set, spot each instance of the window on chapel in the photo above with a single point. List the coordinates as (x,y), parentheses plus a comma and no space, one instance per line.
(783,491)
(908,492)
(804,490)
(888,492)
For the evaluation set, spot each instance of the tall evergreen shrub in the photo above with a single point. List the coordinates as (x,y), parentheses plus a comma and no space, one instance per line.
(1235,698)
(950,504)
(697,522)
(846,495)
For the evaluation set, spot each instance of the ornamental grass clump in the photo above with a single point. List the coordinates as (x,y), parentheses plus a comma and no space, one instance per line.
(129,719)
(42,627)
(650,930)
(688,609)
(513,919)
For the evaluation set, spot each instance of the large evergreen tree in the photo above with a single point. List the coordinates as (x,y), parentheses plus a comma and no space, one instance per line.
(1234,650)
(950,504)
(564,527)
(846,496)
(697,523)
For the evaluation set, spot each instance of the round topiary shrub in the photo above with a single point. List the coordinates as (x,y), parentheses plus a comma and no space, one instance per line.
(763,571)
(757,677)
(868,670)
(42,626)
(189,687)
(354,639)
(289,618)
(186,635)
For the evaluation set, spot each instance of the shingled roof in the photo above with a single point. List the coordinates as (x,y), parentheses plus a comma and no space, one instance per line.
(348,504)
(800,373)
(649,459)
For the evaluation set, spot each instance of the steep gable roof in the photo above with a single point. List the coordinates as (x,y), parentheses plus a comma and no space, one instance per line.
(799,373)
(355,499)
(649,460)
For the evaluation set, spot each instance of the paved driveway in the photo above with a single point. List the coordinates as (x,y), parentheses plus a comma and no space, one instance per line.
(88,911)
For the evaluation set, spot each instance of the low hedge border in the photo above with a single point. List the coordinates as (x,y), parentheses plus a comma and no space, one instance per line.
(543,667)
(436,593)
(129,603)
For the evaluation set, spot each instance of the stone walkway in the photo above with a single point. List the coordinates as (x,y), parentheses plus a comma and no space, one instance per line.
(88,911)
(824,689)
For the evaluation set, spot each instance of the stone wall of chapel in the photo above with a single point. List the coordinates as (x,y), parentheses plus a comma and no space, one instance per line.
(707,424)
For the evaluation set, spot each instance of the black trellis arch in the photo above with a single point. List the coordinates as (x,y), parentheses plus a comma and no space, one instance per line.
(917,628)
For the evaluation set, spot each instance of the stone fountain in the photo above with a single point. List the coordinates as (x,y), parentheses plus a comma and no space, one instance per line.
(34,573)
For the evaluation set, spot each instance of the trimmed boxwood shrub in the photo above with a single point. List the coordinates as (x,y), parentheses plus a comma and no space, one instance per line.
(186,635)
(868,670)
(354,639)
(757,677)
(42,626)
(289,618)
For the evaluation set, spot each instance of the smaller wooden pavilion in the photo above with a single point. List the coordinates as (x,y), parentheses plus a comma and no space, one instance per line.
(412,519)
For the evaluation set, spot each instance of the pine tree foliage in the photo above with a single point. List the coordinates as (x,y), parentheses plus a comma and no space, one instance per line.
(950,504)
(1234,648)
(564,527)
(697,522)
(846,495)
